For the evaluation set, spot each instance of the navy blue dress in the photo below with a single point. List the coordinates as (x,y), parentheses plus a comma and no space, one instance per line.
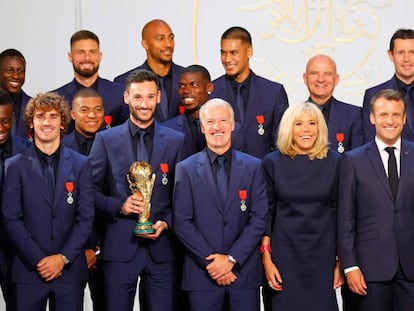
(302,195)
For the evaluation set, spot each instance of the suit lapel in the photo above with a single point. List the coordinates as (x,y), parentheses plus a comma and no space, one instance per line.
(234,181)
(158,146)
(376,163)
(39,176)
(64,174)
(405,168)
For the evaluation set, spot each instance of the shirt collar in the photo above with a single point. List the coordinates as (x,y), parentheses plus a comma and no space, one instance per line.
(381,145)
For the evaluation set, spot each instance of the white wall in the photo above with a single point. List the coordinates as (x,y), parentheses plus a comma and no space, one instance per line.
(285,34)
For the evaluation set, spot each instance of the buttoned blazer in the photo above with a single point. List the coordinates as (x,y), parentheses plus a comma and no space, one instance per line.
(368,128)
(267,99)
(111,156)
(346,119)
(374,232)
(206,226)
(113,100)
(174,101)
(39,225)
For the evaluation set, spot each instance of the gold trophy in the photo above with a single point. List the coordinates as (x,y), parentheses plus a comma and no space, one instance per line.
(141,180)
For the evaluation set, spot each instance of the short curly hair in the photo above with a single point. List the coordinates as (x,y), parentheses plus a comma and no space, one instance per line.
(46,102)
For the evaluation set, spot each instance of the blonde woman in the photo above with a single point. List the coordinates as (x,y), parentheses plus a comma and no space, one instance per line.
(299,246)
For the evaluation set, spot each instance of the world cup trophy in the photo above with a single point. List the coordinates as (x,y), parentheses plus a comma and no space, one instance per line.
(141,180)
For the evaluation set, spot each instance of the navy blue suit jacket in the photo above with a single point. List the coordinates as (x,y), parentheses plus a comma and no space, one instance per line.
(205,226)
(347,119)
(111,157)
(112,96)
(374,232)
(174,100)
(368,128)
(70,141)
(19,127)
(267,99)
(39,226)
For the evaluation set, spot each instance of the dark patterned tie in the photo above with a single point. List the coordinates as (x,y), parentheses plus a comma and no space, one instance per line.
(50,174)
(142,150)
(164,99)
(240,102)
(222,179)
(392,171)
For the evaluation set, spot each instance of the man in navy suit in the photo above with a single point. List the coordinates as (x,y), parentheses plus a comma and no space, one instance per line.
(158,42)
(12,77)
(344,120)
(48,211)
(258,103)
(401,55)
(10,145)
(88,114)
(220,207)
(194,89)
(375,211)
(85,56)
(127,256)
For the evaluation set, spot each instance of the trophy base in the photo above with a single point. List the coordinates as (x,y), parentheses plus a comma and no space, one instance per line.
(143,228)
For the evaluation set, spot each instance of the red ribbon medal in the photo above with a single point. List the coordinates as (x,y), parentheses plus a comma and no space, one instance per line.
(181,109)
(260,122)
(69,188)
(340,138)
(108,121)
(164,170)
(243,197)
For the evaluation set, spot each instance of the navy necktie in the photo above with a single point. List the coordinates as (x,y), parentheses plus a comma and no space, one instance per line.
(392,171)
(50,174)
(222,179)
(164,99)
(142,149)
(240,102)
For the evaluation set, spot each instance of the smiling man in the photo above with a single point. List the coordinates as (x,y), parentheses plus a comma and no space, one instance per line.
(12,78)
(85,56)
(344,120)
(49,223)
(158,40)
(220,205)
(375,214)
(151,257)
(194,89)
(258,103)
(401,54)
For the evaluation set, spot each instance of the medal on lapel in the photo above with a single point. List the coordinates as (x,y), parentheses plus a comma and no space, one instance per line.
(108,121)
(69,189)
(164,170)
(260,122)
(243,197)
(340,138)
(29,136)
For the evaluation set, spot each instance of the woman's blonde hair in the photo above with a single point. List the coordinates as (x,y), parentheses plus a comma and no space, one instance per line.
(285,135)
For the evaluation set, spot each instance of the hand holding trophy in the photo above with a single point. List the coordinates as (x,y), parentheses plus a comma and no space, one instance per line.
(141,180)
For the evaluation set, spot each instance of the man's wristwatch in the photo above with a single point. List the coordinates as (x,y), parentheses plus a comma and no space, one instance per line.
(232,260)
(65,260)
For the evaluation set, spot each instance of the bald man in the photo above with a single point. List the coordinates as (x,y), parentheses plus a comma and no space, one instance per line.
(344,120)
(158,42)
